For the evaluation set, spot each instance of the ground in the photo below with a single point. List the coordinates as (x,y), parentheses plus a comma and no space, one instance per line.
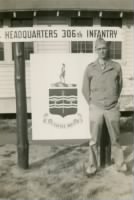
(56,170)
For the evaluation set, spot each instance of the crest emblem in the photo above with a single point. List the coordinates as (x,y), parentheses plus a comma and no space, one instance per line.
(63,97)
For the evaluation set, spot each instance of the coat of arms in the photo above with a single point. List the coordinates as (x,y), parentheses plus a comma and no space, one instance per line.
(62,96)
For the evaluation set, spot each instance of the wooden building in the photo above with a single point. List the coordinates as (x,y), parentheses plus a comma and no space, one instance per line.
(96,13)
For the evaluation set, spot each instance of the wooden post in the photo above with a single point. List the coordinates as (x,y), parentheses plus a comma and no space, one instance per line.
(21,106)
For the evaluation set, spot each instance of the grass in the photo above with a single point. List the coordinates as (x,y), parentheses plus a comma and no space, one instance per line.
(56,171)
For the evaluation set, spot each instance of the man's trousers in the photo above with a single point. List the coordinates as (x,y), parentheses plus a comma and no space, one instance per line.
(112,119)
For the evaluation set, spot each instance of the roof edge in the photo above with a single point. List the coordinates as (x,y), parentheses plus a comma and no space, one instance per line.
(76,9)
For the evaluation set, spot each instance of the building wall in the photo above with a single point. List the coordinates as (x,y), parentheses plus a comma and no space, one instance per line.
(7,89)
(128,58)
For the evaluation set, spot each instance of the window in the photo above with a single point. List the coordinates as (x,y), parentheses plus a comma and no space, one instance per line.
(113,22)
(1,44)
(82,46)
(81,22)
(115,50)
(28,46)
(28,49)
(114,47)
(1,51)
(22,23)
(1,23)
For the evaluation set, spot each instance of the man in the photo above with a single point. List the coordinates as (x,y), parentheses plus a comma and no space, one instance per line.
(102,85)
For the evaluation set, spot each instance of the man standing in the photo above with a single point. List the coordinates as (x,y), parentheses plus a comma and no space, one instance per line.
(102,85)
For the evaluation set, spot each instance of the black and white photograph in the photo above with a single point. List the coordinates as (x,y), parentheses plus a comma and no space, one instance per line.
(66,99)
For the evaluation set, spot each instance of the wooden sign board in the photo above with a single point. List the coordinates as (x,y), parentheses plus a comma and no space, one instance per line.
(59,110)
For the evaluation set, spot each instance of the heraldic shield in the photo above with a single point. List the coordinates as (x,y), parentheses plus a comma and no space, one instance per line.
(63,96)
(63,101)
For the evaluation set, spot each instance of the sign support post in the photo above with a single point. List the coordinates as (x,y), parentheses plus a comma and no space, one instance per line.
(21,106)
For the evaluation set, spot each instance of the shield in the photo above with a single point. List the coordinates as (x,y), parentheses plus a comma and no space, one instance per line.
(63,101)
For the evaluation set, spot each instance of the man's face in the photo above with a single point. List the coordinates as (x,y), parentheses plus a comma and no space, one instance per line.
(101,50)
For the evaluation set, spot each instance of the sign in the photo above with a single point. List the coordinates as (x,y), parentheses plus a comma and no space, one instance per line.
(43,33)
(59,110)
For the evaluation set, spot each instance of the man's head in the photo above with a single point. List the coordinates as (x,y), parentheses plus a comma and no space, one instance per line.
(101,48)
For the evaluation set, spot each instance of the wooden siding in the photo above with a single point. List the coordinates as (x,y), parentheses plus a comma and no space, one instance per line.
(7,86)
(50,46)
(128,57)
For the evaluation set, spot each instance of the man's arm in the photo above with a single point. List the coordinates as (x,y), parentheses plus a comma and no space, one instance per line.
(86,85)
(120,81)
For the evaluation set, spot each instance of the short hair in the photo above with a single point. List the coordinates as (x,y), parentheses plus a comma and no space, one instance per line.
(100,41)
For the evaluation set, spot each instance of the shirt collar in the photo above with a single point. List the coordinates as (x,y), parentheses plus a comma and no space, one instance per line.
(108,66)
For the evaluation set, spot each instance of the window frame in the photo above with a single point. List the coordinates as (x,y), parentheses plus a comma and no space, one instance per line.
(26,59)
(3,51)
(112,52)
(77,21)
(81,44)
(111,22)
(118,23)
(23,24)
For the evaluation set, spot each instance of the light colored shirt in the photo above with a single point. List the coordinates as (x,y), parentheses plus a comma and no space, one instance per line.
(102,87)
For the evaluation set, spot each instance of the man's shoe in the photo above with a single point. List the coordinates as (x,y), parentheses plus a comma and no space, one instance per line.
(89,171)
(122,168)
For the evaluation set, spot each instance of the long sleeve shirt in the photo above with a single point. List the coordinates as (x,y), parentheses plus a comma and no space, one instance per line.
(102,87)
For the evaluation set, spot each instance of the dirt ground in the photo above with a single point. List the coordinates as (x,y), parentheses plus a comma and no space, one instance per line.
(56,171)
